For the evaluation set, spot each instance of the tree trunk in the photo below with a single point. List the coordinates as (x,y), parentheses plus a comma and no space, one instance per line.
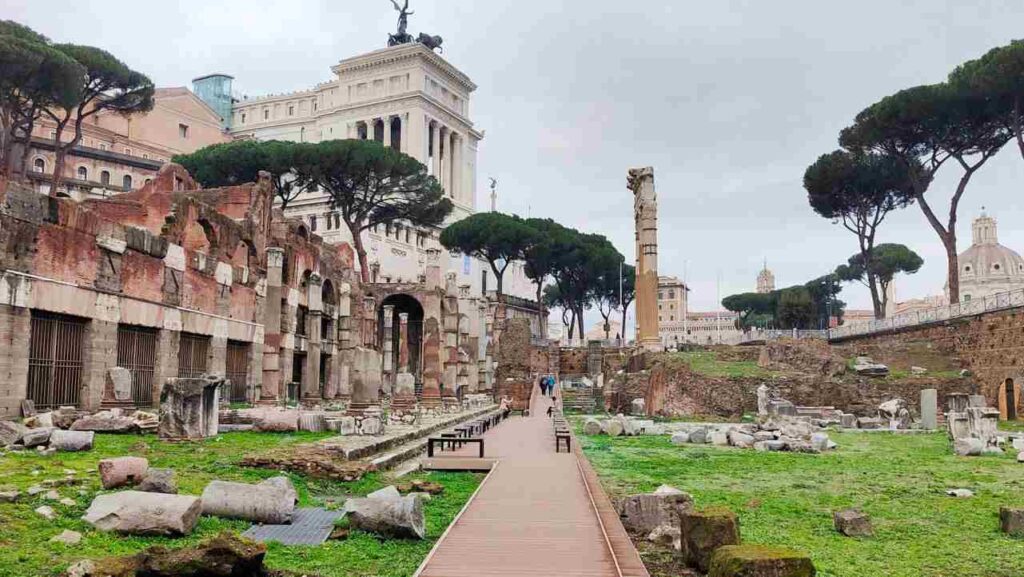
(59,154)
(953,266)
(1017,129)
(357,241)
(540,311)
(876,301)
(572,324)
(579,319)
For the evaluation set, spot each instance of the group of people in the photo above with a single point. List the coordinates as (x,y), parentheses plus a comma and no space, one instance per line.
(547,385)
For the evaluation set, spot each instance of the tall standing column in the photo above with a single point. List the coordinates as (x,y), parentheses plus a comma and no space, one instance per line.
(345,342)
(404,132)
(457,155)
(449,161)
(388,346)
(272,378)
(387,131)
(435,156)
(403,342)
(645,215)
(311,385)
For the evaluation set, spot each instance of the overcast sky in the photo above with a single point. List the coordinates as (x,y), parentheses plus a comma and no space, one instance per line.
(728,100)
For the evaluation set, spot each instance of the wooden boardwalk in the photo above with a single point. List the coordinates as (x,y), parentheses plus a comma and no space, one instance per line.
(537,513)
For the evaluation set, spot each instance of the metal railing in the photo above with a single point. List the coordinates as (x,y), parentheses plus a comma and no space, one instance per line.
(994,302)
(773,334)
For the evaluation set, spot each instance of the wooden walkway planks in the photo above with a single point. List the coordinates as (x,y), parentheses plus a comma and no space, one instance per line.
(534,514)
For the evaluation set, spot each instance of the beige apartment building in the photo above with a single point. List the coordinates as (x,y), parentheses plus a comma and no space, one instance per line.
(122,153)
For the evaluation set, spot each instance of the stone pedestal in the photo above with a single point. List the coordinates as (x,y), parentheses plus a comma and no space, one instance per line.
(929,409)
(189,408)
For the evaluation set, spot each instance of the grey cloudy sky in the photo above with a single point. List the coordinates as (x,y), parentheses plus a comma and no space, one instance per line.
(728,100)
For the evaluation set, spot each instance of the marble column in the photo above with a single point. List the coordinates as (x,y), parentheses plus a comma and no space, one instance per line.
(403,342)
(387,346)
(272,378)
(435,158)
(346,343)
(404,133)
(386,126)
(449,162)
(311,384)
(457,166)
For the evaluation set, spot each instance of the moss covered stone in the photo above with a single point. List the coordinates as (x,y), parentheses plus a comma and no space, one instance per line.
(759,561)
(704,531)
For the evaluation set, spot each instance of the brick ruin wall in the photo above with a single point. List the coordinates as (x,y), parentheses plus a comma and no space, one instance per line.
(990,346)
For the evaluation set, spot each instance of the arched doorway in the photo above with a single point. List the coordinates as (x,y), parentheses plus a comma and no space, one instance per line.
(407,349)
(1010,397)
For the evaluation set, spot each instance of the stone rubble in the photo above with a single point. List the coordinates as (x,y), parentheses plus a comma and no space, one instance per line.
(271,501)
(139,513)
(388,514)
(852,523)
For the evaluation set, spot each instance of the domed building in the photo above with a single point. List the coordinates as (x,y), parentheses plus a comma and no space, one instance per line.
(988,267)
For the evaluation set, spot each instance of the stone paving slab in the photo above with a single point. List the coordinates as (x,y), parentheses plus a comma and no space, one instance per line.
(308,527)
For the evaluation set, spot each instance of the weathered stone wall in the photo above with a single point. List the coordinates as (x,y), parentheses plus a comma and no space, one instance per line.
(990,346)
(670,388)
(573,360)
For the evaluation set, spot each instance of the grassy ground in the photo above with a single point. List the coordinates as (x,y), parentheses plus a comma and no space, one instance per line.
(707,363)
(787,499)
(25,549)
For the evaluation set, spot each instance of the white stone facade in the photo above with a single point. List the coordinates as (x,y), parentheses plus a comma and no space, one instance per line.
(411,99)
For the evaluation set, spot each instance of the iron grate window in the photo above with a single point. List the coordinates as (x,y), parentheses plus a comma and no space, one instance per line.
(136,351)
(56,355)
(192,355)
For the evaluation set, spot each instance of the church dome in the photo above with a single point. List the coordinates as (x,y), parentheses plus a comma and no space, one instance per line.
(988,267)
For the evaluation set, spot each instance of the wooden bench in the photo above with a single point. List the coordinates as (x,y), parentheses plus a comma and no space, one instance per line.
(559,437)
(450,436)
(460,441)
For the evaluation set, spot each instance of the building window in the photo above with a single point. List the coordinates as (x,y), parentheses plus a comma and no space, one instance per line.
(243,118)
(126,182)
(312,223)
(996,266)
(103,147)
(56,359)
(314,106)
(671,294)
(83,173)
(145,156)
(39,165)
(136,351)
(183,130)
(128,151)
(105,177)
(266,114)
(967,298)
(193,352)
(291,111)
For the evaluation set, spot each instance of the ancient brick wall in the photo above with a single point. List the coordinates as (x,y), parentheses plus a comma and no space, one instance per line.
(990,346)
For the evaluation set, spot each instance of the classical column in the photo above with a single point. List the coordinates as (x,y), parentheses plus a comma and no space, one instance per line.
(311,385)
(387,346)
(386,126)
(404,132)
(403,342)
(645,215)
(346,344)
(270,389)
(457,143)
(435,158)
(449,162)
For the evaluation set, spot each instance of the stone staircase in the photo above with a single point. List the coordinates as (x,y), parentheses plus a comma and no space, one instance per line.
(579,399)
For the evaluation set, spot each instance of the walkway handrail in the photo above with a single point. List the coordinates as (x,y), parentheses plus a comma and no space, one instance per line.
(994,302)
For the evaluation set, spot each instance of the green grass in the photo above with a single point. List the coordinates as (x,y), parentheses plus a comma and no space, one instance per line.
(25,549)
(787,499)
(707,363)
